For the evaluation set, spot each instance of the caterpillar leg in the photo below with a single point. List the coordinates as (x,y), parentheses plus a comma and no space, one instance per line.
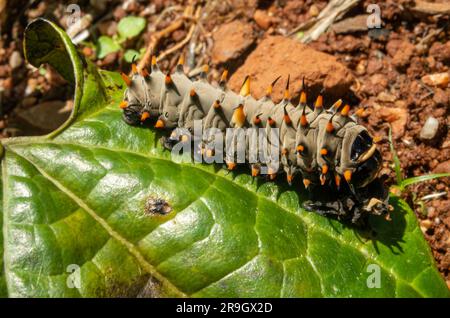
(354,206)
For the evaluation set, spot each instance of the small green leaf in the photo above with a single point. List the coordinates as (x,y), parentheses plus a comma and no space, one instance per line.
(77,199)
(131,55)
(397,165)
(130,27)
(106,45)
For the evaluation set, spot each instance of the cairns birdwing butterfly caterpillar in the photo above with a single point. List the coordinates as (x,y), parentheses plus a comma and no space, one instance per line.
(335,156)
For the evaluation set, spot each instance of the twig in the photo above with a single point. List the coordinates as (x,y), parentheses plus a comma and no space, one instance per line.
(156,38)
(316,26)
(184,41)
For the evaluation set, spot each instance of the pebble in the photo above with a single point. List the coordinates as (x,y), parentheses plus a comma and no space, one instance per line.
(426,223)
(262,19)
(15,60)
(314,11)
(429,129)
(29,101)
(437,79)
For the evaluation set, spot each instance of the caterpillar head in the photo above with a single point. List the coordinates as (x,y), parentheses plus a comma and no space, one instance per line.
(136,99)
(360,159)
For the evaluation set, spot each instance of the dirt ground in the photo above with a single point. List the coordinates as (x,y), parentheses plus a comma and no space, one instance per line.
(399,73)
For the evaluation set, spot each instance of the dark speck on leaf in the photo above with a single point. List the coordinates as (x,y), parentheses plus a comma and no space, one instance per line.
(157,206)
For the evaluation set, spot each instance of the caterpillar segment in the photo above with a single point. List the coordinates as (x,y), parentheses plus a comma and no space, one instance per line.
(335,157)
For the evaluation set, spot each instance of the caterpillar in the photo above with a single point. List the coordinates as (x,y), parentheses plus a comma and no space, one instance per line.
(335,156)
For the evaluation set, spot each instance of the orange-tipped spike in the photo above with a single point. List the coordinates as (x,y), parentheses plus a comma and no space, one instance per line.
(287,119)
(224,76)
(360,112)
(192,93)
(270,88)
(205,68)
(272,176)
(181,60)
(325,169)
(287,95)
(323,151)
(134,68)
(303,93)
(159,124)
(256,120)
(303,121)
(330,127)
(300,148)
(337,180)
(303,98)
(289,178)
(231,165)
(345,110)
(337,104)
(168,79)
(153,60)
(123,104)
(255,171)
(271,121)
(348,175)
(216,104)
(319,102)
(284,152)
(126,79)
(245,89)
(239,116)
(306,183)
(144,116)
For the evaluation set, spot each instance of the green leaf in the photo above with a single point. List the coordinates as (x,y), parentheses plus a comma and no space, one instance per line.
(106,45)
(77,197)
(130,27)
(426,177)
(131,55)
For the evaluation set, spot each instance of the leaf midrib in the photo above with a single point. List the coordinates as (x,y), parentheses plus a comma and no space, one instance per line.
(196,166)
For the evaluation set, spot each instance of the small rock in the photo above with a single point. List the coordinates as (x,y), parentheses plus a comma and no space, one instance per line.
(313,11)
(108,27)
(440,51)
(280,56)
(443,167)
(15,60)
(429,129)
(401,52)
(48,115)
(396,116)
(426,223)
(386,97)
(361,67)
(441,97)
(262,19)
(231,40)
(437,79)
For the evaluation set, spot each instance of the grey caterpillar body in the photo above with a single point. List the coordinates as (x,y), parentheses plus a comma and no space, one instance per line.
(335,156)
